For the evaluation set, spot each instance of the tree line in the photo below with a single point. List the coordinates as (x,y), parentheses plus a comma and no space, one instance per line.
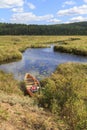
(79,28)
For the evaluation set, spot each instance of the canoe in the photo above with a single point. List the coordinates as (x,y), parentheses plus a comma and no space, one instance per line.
(31,84)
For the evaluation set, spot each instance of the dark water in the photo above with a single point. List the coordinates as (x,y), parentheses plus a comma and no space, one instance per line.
(39,62)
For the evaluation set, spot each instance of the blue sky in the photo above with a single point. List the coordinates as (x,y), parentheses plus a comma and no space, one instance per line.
(43,11)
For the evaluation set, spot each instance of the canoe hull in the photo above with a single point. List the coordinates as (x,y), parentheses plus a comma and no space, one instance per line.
(31,83)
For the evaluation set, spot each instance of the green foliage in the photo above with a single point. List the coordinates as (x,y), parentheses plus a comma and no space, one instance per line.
(49,93)
(65,93)
(79,28)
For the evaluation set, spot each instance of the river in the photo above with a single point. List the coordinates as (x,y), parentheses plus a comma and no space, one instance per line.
(40,62)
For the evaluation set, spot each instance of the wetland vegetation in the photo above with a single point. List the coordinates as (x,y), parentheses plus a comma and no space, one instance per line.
(76,46)
(65,93)
(64,96)
(12,46)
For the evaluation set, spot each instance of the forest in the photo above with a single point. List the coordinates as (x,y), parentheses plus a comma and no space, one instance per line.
(78,28)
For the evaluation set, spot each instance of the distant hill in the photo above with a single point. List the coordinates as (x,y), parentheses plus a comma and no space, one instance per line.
(78,28)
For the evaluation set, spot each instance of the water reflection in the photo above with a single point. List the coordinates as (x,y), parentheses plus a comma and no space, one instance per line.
(39,62)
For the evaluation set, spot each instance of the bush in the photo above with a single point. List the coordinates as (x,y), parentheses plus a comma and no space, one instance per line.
(64,93)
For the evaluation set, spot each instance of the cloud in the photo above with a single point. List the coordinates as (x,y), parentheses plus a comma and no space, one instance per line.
(68,3)
(73,11)
(85,1)
(54,20)
(31,6)
(78,19)
(17,9)
(11,3)
(2,19)
(27,17)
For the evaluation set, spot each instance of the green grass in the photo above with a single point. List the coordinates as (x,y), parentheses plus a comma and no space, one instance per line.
(65,94)
(11,47)
(8,84)
(76,46)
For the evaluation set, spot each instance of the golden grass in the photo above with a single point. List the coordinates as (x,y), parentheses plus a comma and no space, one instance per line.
(8,84)
(76,45)
(25,112)
(21,113)
(12,46)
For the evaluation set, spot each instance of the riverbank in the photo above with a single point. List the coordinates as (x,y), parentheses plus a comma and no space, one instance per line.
(19,112)
(11,47)
(64,97)
(77,46)
(65,94)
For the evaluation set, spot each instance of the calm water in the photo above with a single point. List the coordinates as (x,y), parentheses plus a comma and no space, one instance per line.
(39,62)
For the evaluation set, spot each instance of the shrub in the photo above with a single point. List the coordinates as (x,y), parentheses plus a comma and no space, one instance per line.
(64,93)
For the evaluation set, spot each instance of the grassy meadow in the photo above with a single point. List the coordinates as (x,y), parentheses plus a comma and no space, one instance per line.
(63,100)
(74,45)
(12,46)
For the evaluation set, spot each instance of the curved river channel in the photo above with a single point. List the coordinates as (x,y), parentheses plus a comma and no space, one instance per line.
(39,62)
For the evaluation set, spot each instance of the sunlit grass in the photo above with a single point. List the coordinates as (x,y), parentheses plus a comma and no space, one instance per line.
(78,46)
(8,84)
(12,46)
(65,94)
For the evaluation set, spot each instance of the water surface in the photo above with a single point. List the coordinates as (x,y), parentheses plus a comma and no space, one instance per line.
(39,62)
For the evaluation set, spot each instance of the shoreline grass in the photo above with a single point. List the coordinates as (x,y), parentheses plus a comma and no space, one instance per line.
(77,46)
(65,92)
(27,115)
(11,47)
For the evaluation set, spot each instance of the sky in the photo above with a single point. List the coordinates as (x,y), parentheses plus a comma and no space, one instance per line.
(43,11)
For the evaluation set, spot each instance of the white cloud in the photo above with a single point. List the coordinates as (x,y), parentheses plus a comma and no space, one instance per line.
(17,9)
(68,3)
(27,17)
(54,20)
(85,1)
(2,19)
(11,3)
(31,6)
(75,10)
(78,19)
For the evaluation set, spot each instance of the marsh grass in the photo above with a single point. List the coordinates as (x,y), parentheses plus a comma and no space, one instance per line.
(21,112)
(11,47)
(65,94)
(8,84)
(73,45)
